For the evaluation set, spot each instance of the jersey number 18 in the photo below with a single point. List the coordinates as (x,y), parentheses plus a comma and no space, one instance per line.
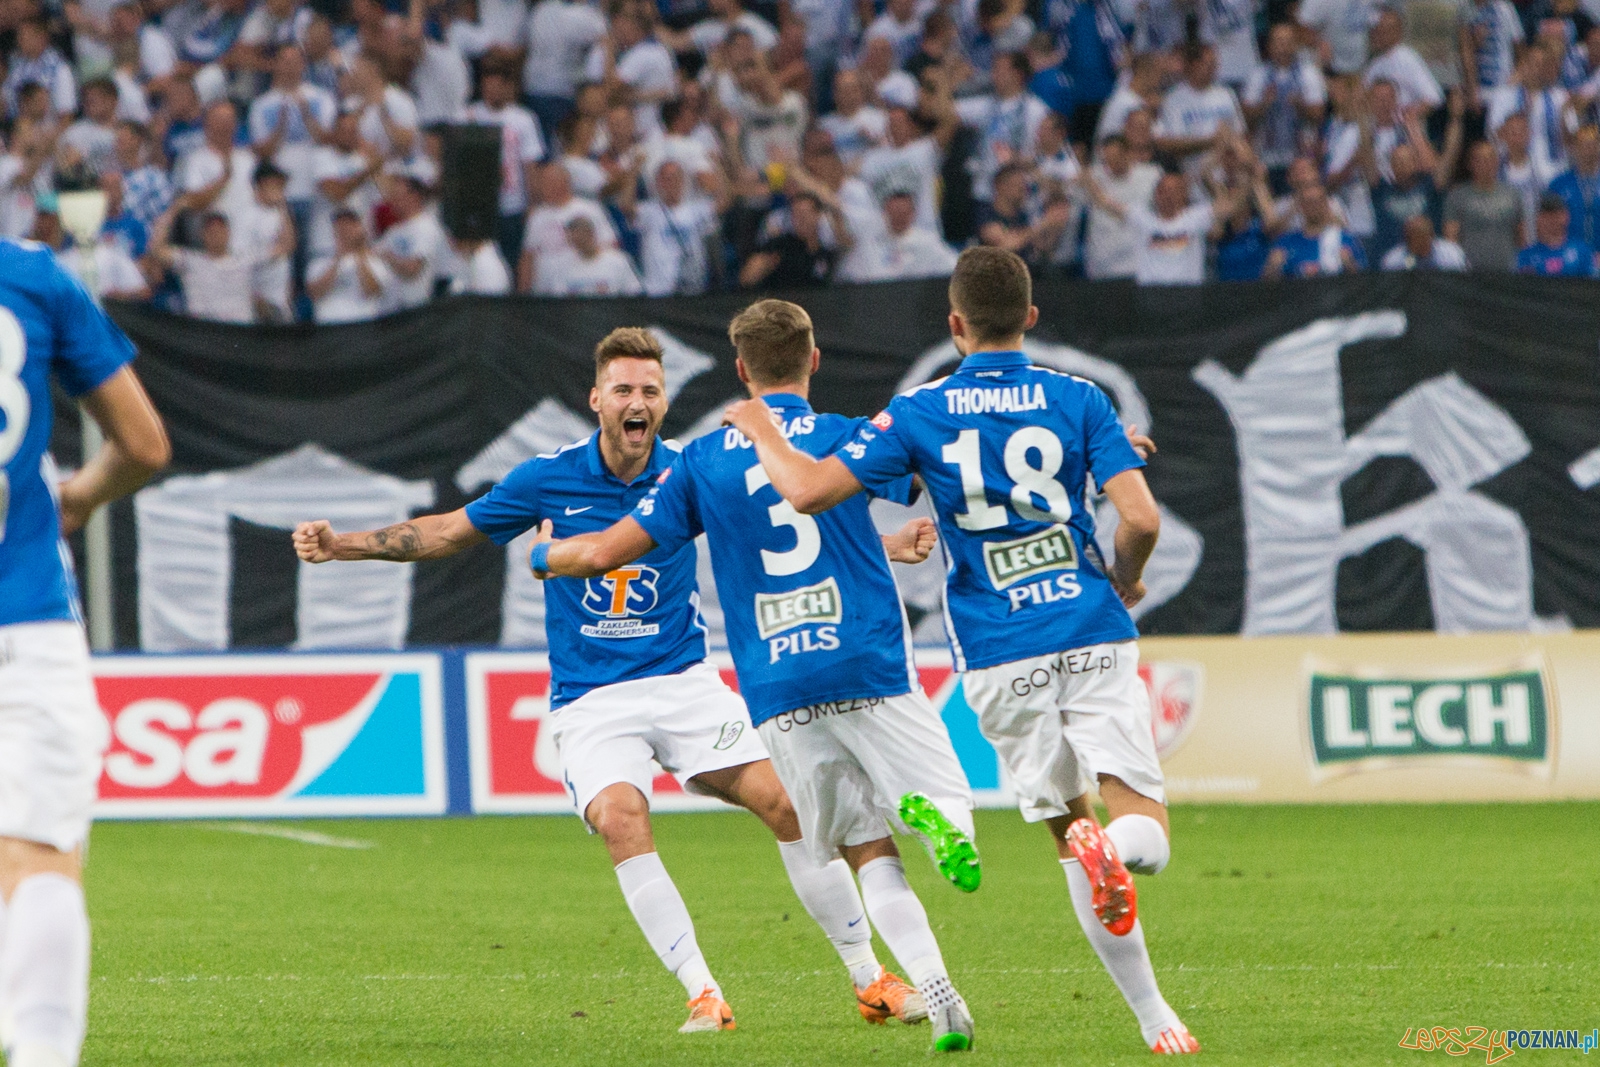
(1028,481)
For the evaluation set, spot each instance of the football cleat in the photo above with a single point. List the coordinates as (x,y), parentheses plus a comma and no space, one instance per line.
(1115,903)
(952,1027)
(1175,1040)
(708,1012)
(889,996)
(953,850)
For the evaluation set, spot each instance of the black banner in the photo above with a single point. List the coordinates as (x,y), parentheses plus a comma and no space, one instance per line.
(1380,452)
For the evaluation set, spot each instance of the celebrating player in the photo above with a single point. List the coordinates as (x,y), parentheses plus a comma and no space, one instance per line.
(823,653)
(1036,622)
(52,732)
(629,680)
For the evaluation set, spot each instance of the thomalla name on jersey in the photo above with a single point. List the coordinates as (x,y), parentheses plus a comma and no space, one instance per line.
(982,400)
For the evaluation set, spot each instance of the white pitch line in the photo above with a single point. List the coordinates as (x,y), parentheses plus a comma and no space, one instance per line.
(289,833)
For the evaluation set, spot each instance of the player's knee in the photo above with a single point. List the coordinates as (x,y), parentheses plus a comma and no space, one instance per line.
(619,815)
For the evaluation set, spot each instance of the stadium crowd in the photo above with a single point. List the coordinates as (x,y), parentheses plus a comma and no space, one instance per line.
(273,160)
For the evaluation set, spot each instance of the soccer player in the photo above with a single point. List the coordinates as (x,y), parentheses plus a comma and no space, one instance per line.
(822,647)
(1036,620)
(52,732)
(629,677)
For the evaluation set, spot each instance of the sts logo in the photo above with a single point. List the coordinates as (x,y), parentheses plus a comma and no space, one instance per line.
(619,597)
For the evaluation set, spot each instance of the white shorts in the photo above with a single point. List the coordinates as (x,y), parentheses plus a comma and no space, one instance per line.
(52,734)
(847,763)
(1054,718)
(689,722)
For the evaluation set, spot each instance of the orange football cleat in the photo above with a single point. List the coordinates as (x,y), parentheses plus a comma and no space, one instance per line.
(1175,1040)
(708,1012)
(1115,902)
(891,995)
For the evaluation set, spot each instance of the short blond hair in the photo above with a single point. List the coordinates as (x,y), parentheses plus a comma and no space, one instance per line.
(625,342)
(775,340)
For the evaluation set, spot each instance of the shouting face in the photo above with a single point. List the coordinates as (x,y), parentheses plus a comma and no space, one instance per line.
(630,396)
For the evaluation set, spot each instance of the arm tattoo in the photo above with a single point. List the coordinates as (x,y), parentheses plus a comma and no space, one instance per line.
(400,543)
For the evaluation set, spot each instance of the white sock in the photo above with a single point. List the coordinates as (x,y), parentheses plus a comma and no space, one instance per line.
(44,965)
(1125,957)
(901,920)
(660,912)
(1141,843)
(829,896)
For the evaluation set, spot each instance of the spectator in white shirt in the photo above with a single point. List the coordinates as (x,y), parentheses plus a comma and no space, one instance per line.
(353,284)
(1197,109)
(901,25)
(266,224)
(771,118)
(1111,248)
(588,269)
(478,269)
(675,235)
(413,246)
(436,75)
(725,16)
(854,125)
(388,114)
(344,172)
(1007,121)
(1421,250)
(911,159)
(1172,232)
(287,123)
(629,59)
(35,62)
(906,250)
(522,147)
(546,234)
(130,35)
(92,139)
(1340,28)
(560,34)
(216,175)
(216,280)
(1535,94)
(1284,101)
(1393,60)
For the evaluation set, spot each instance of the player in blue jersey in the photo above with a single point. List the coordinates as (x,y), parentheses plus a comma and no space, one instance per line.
(52,732)
(822,648)
(1036,620)
(629,677)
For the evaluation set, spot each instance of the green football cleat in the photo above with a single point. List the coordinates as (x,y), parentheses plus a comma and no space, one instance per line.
(953,850)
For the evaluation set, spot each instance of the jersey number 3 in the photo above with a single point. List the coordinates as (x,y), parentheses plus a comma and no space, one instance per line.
(15,407)
(1027,480)
(807,538)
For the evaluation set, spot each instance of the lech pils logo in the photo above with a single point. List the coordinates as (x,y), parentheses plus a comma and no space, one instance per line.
(1010,562)
(1353,718)
(777,612)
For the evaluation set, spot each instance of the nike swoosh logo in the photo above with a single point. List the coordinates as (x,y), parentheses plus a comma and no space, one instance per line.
(857,919)
(678,942)
(579,511)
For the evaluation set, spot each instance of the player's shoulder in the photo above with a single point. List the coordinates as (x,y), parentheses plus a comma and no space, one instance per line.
(920,393)
(568,460)
(29,264)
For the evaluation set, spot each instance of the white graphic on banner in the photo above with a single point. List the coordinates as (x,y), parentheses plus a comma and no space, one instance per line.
(1287,411)
(549,426)
(1177,553)
(1585,470)
(186,560)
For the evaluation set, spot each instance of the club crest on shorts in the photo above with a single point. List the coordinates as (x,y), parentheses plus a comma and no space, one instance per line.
(619,597)
(731,732)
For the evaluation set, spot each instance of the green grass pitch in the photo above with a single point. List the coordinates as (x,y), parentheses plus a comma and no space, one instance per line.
(1282,935)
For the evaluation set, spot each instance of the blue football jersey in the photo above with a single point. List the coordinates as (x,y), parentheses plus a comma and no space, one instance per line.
(1005,449)
(638,621)
(48,322)
(811,606)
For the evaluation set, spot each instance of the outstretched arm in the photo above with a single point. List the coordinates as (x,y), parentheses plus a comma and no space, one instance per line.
(591,555)
(424,537)
(810,484)
(1137,530)
(135,448)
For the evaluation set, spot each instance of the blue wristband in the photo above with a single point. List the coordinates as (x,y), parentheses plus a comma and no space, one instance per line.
(539,558)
